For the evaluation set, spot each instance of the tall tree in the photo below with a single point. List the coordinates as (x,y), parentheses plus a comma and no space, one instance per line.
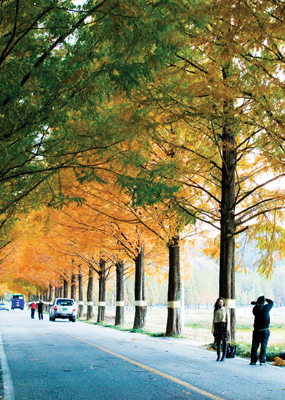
(216,112)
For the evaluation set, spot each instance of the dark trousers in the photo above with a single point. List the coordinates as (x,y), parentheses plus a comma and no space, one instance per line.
(41,314)
(33,313)
(219,347)
(259,338)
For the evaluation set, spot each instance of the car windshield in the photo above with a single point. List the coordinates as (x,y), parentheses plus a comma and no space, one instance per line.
(64,302)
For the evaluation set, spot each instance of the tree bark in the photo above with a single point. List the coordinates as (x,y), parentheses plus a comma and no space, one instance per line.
(46,306)
(140,304)
(90,294)
(51,292)
(119,320)
(102,290)
(80,294)
(65,288)
(73,287)
(233,310)
(173,326)
(228,226)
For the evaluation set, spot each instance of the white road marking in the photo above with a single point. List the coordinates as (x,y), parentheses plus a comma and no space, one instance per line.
(6,374)
(155,371)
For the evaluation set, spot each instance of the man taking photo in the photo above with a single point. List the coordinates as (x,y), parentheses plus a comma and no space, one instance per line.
(261,332)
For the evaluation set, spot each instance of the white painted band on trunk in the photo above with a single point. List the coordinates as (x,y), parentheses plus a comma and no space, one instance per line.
(90,303)
(140,303)
(120,303)
(173,304)
(81,303)
(101,303)
(230,303)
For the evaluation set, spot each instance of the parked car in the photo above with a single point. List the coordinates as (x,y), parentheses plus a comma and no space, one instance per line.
(63,308)
(4,307)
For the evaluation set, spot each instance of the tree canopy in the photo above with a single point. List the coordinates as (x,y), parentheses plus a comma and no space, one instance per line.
(179,102)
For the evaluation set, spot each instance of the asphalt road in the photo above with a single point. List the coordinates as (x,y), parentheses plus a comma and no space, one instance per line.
(61,360)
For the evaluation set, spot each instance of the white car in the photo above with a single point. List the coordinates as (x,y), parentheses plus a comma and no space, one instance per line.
(3,306)
(63,308)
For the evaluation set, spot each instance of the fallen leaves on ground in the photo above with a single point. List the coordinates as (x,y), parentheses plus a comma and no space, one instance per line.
(278,361)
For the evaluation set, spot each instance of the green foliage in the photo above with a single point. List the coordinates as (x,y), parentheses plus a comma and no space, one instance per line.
(59,64)
(185,216)
(244,350)
(275,351)
(149,190)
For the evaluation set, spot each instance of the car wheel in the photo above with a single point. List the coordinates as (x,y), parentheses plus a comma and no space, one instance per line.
(73,319)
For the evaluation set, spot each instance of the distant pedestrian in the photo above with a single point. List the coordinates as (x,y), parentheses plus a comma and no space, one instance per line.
(220,327)
(40,309)
(261,332)
(33,309)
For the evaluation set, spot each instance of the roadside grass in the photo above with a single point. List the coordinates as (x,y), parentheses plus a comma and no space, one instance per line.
(146,332)
(198,325)
(244,349)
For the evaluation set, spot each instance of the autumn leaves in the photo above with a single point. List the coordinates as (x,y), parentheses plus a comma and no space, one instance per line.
(140,137)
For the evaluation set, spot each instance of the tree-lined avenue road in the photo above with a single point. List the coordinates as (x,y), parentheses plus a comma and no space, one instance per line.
(43,360)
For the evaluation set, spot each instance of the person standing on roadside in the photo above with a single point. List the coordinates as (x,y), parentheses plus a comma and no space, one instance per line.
(260,334)
(40,309)
(33,309)
(220,327)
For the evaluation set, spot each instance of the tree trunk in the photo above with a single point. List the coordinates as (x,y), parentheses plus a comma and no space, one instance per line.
(51,293)
(65,288)
(60,291)
(42,298)
(173,326)
(232,308)
(90,294)
(73,287)
(228,226)
(102,291)
(119,320)
(140,304)
(46,300)
(57,292)
(80,294)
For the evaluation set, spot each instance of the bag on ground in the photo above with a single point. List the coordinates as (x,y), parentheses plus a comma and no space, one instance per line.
(231,351)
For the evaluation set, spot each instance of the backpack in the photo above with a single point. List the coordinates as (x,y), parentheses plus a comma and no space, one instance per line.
(231,351)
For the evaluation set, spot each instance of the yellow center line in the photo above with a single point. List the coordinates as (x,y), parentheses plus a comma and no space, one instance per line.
(155,371)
